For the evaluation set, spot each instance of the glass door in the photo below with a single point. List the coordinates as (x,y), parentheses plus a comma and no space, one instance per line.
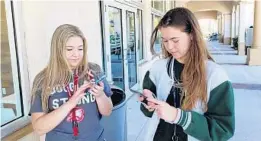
(120,44)
(131,48)
(116,45)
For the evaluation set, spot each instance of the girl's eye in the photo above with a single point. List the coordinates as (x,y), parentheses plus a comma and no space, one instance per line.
(175,41)
(69,49)
(80,49)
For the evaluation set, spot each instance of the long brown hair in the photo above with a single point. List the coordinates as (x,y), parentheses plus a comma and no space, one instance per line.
(194,73)
(57,73)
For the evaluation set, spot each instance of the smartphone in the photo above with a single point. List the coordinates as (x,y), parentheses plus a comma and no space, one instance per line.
(99,79)
(140,93)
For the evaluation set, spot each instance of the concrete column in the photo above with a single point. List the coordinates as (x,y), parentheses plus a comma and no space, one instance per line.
(227,29)
(222,28)
(246,20)
(219,23)
(237,21)
(254,53)
(233,24)
(242,28)
(147,19)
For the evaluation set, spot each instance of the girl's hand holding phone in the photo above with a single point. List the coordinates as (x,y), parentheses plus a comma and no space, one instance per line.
(97,88)
(143,99)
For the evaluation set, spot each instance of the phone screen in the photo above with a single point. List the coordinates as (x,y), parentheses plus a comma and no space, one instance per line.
(139,92)
(100,79)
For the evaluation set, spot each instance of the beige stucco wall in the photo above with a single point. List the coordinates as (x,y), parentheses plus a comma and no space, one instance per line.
(222,6)
(41,18)
(206,15)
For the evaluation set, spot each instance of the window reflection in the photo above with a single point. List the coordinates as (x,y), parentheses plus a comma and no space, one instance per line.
(10,94)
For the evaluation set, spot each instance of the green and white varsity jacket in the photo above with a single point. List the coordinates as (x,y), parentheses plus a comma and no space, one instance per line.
(216,124)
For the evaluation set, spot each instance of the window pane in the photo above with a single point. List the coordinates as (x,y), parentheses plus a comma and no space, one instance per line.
(131,52)
(10,94)
(157,44)
(115,18)
(140,35)
(158,5)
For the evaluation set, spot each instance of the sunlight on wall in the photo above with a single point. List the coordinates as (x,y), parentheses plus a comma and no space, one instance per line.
(208,26)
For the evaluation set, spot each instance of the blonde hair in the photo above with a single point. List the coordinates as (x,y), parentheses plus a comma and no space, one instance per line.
(194,73)
(57,73)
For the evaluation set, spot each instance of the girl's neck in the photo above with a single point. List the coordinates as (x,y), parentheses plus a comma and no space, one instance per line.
(74,70)
(181,61)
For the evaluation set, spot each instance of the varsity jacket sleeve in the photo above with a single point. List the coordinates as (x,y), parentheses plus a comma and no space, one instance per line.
(148,84)
(218,122)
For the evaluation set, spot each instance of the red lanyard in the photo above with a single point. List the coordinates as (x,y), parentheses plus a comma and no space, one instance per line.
(74,121)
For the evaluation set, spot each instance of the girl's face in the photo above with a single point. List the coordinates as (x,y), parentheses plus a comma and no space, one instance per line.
(74,51)
(176,42)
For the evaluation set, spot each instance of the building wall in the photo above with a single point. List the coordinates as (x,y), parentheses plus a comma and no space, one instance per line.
(41,18)
(206,15)
(35,23)
(222,6)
